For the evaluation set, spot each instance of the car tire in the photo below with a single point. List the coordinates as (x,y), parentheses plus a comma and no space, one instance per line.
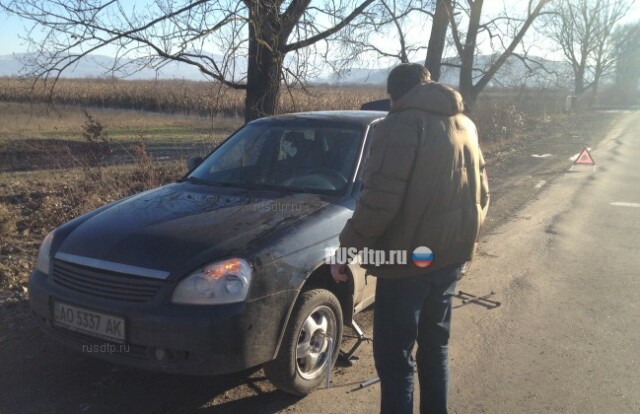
(301,364)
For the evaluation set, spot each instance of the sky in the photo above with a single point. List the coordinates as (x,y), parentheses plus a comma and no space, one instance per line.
(12,28)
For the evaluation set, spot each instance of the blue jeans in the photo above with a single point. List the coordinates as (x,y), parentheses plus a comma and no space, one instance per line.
(406,310)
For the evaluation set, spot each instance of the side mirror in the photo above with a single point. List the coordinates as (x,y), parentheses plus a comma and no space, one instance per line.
(381,105)
(193,163)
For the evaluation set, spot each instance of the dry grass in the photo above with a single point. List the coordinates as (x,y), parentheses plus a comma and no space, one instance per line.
(27,121)
(34,202)
(504,114)
(36,136)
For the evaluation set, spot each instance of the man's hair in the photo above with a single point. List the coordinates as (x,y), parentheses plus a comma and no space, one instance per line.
(404,77)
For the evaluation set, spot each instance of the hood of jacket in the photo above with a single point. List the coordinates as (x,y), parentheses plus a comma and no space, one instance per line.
(431,97)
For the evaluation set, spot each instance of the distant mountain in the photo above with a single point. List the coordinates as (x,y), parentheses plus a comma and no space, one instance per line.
(513,73)
(98,66)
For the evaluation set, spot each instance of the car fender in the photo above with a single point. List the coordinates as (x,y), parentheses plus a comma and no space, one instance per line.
(320,277)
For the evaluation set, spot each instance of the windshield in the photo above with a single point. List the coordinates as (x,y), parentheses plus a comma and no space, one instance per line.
(316,159)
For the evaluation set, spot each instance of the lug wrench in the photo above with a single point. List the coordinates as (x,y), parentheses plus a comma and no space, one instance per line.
(369,382)
(481,300)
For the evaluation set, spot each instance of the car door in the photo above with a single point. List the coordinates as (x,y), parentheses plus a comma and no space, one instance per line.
(365,286)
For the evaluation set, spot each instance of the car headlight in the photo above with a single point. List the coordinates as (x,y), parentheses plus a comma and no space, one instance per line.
(217,283)
(43,262)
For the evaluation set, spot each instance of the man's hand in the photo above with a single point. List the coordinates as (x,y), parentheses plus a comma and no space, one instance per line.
(339,272)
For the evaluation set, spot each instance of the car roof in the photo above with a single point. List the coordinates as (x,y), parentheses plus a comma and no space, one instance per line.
(361,118)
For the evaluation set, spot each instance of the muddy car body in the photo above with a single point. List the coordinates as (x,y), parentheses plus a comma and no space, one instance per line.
(224,269)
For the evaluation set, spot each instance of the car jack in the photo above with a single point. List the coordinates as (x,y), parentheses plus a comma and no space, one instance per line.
(347,357)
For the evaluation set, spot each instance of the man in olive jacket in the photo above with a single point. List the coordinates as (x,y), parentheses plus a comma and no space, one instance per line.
(423,186)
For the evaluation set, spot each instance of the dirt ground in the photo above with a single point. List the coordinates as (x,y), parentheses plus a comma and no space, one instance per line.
(39,376)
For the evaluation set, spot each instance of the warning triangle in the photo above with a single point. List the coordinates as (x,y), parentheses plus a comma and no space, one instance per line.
(585,158)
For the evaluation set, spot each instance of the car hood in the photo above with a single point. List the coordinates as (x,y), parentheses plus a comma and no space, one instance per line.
(182,225)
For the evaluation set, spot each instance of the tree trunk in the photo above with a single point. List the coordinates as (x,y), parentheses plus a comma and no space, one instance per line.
(470,96)
(466,88)
(263,82)
(579,82)
(438,38)
(265,62)
(595,86)
(467,57)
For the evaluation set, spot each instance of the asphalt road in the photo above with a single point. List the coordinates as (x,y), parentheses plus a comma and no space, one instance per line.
(559,255)
(567,338)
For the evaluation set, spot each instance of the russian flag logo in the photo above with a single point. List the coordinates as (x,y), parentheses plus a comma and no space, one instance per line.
(422,257)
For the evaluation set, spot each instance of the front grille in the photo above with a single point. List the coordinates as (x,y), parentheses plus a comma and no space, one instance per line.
(105,284)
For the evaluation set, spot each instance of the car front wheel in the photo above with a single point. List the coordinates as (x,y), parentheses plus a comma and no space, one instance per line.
(311,342)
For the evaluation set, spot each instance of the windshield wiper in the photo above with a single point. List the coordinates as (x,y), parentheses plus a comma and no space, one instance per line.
(254,186)
(196,180)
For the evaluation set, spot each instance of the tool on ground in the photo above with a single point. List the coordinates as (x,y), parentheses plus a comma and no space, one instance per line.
(369,382)
(329,359)
(468,298)
(376,380)
(347,357)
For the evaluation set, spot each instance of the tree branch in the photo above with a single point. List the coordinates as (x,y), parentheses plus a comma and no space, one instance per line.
(329,32)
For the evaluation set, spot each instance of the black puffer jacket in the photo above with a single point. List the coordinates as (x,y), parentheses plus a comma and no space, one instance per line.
(424,183)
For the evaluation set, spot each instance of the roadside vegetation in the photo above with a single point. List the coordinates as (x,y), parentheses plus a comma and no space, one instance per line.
(98,141)
(206,106)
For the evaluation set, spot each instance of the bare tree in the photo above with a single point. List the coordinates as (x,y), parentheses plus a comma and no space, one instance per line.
(626,40)
(397,20)
(254,37)
(503,32)
(438,38)
(604,57)
(583,29)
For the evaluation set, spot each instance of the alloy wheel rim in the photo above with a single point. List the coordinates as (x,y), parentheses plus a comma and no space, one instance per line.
(312,349)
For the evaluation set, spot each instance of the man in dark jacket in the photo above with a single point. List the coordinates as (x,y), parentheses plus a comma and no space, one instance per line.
(424,192)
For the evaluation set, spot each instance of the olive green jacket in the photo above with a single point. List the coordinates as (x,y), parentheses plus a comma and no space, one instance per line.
(423,183)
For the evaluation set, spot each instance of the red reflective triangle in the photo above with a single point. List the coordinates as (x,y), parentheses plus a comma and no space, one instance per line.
(585,158)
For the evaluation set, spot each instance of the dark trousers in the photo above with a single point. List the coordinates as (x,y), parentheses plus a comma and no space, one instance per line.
(406,310)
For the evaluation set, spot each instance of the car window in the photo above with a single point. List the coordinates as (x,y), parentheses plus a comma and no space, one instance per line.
(244,154)
(310,159)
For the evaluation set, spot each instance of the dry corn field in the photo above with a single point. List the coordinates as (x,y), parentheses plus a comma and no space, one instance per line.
(178,96)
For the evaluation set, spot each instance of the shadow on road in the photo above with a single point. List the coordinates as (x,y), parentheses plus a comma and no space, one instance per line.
(41,376)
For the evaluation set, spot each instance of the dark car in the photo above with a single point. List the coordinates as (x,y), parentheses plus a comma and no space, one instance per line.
(225,269)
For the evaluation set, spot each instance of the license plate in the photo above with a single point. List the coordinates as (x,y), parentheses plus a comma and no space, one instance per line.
(90,322)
